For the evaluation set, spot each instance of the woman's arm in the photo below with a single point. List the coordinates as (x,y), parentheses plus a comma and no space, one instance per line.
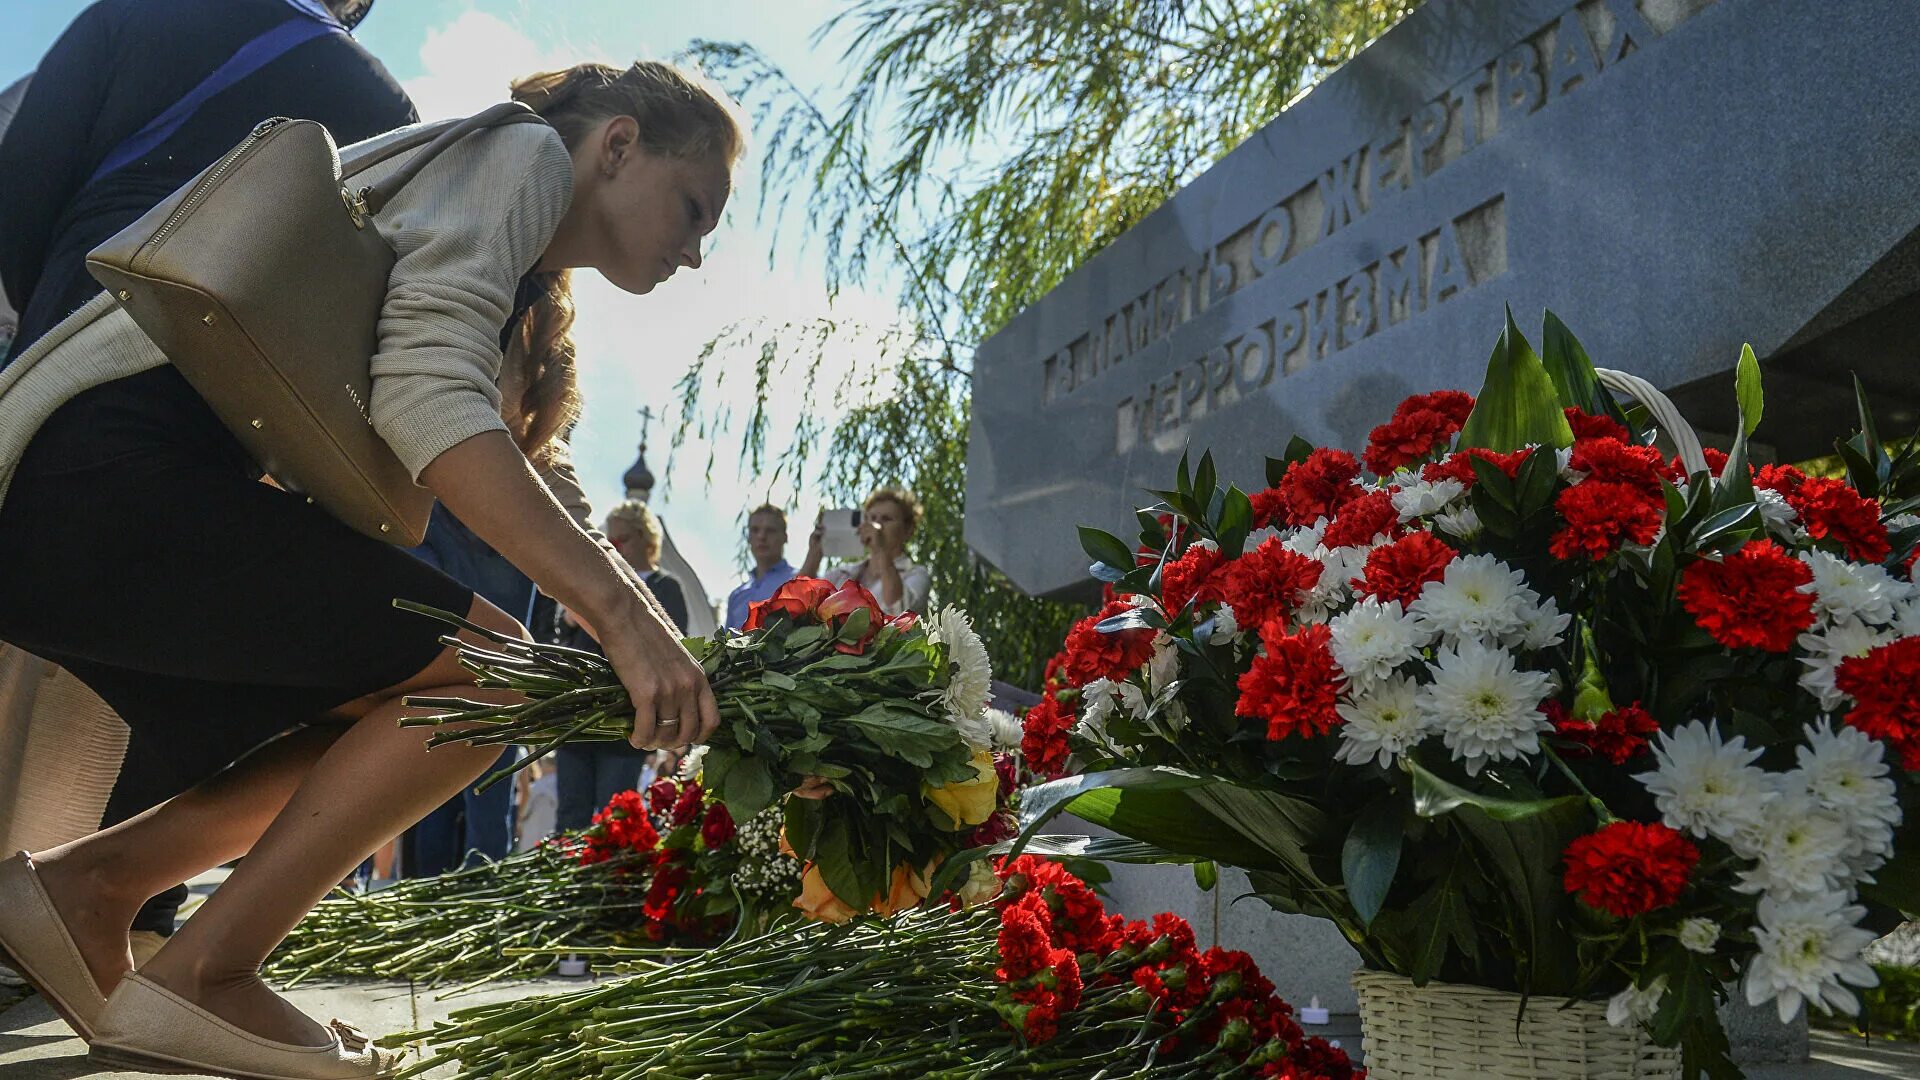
(489,484)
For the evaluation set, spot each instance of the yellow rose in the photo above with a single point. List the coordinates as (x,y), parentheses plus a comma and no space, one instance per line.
(908,889)
(818,901)
(970,802)
(982,884)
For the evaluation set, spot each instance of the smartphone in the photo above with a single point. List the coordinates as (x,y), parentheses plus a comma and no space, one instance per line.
(840,537)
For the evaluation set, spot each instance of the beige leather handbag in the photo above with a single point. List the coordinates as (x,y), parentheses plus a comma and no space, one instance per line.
(263,280)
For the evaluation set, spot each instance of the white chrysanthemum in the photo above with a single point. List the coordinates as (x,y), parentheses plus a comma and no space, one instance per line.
(1480,598)
(1007,730)
(1225,625)
(1808,950)
(1705,786)
(1634,1005)
(1844,590)
(1798,847)
(1826,650)
(1906,613)
(1338,567)
(1699,935)
(1542,626)
(1780,517)
(1101,698)
(1846,771)
(1373,637)
(1419,498)
(1563,465)
(690,764)
(970,678)
(1461,523)
(1484,709)
(1304,539)
(1382,723)
(1163,666)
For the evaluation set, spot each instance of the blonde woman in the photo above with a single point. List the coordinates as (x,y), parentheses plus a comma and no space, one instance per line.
(888,519)
(235,600)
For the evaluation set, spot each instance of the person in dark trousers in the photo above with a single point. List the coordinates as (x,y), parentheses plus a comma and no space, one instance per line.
(132,102)
(592,773)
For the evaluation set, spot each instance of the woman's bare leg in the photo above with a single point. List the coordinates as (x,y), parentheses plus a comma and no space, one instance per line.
(373,781)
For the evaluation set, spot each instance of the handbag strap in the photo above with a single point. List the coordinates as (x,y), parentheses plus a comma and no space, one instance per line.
(377,196)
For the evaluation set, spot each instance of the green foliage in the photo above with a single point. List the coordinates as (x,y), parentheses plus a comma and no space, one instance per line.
(1891,1009)
(978,154)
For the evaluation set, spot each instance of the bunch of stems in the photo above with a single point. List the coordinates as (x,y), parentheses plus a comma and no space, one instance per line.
(913,996)
(491,921)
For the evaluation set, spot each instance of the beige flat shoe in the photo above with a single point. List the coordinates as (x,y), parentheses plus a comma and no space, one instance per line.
(35,943)
(148,1028)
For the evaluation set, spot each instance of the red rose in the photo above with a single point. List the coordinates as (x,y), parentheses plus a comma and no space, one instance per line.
(1885,687)
(660,795)
(687,806)
(1751,599)
(797,600)
(841,605)
(1399,570)
(1293,684)
(1630,869)
(717,829)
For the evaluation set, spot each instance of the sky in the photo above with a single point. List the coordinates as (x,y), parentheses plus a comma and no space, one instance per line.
(455,57)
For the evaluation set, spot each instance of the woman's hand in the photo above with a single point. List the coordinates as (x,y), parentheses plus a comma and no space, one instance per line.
(815,547)
(672,704)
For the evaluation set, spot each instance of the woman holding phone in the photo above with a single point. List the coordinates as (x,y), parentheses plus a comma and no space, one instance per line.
(888,519)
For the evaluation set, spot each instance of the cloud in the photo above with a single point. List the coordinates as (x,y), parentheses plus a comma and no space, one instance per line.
(468,64)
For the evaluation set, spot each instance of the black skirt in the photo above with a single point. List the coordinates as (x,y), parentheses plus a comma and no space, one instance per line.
(211,611)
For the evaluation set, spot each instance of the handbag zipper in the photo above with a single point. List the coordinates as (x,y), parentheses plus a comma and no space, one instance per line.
(207,183)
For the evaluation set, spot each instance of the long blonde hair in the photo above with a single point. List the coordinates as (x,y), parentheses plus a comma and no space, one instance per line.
(680,115)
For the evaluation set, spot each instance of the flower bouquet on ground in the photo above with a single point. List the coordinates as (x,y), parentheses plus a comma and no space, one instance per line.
(818,684)
(1042,982)
(670,869)
(1519,702)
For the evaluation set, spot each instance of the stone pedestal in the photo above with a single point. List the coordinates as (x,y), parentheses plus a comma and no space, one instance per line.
(1759,1038)
(1305,957)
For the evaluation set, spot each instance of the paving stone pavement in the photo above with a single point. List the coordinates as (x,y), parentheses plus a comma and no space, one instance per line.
(36,1045)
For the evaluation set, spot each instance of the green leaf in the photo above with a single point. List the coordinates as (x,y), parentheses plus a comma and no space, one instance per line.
(779,681)
(747,787)
(1876,451)
(1104,547)
(1517,404)
(1371,857)
(1206,874)
(1574,379)
(1236,521)
(1060,847)
(1746,389)
(1732,523)
(909,736)
(1204,481)
(1152,805)
(1441,916)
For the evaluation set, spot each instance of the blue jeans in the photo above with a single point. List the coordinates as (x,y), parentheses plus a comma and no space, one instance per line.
(590,774)
(438,845)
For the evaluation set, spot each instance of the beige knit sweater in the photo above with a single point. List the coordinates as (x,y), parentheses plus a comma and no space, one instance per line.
(463,232)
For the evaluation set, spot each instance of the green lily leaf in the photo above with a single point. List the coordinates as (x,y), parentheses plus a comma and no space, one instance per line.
(1518,404)
(1371,857)
(1572,372)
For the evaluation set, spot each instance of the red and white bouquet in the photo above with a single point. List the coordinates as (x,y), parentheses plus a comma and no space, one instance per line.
(1519,701)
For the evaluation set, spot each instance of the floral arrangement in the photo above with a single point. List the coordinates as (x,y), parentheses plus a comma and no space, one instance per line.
(667,869)
(819,685)
(1520,702)
(1040,982)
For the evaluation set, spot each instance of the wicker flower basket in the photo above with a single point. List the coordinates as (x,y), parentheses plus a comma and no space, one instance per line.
(1444,1031)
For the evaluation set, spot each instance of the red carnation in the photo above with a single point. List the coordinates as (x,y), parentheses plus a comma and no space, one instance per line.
(1362,519)
(1269,506)
(1588,426)
(1408,438)
(1044,740)
(718,828)
(1885,687)
(1751,599)
(1785,479)
(1397,571)
(1614,461)
(1266,583)
(1190,577)
(1294,683)
(1459,466)
(1830,509)
(1600,515)
(1093,655)
(1619,735)
(1630,869)
(1319,486)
